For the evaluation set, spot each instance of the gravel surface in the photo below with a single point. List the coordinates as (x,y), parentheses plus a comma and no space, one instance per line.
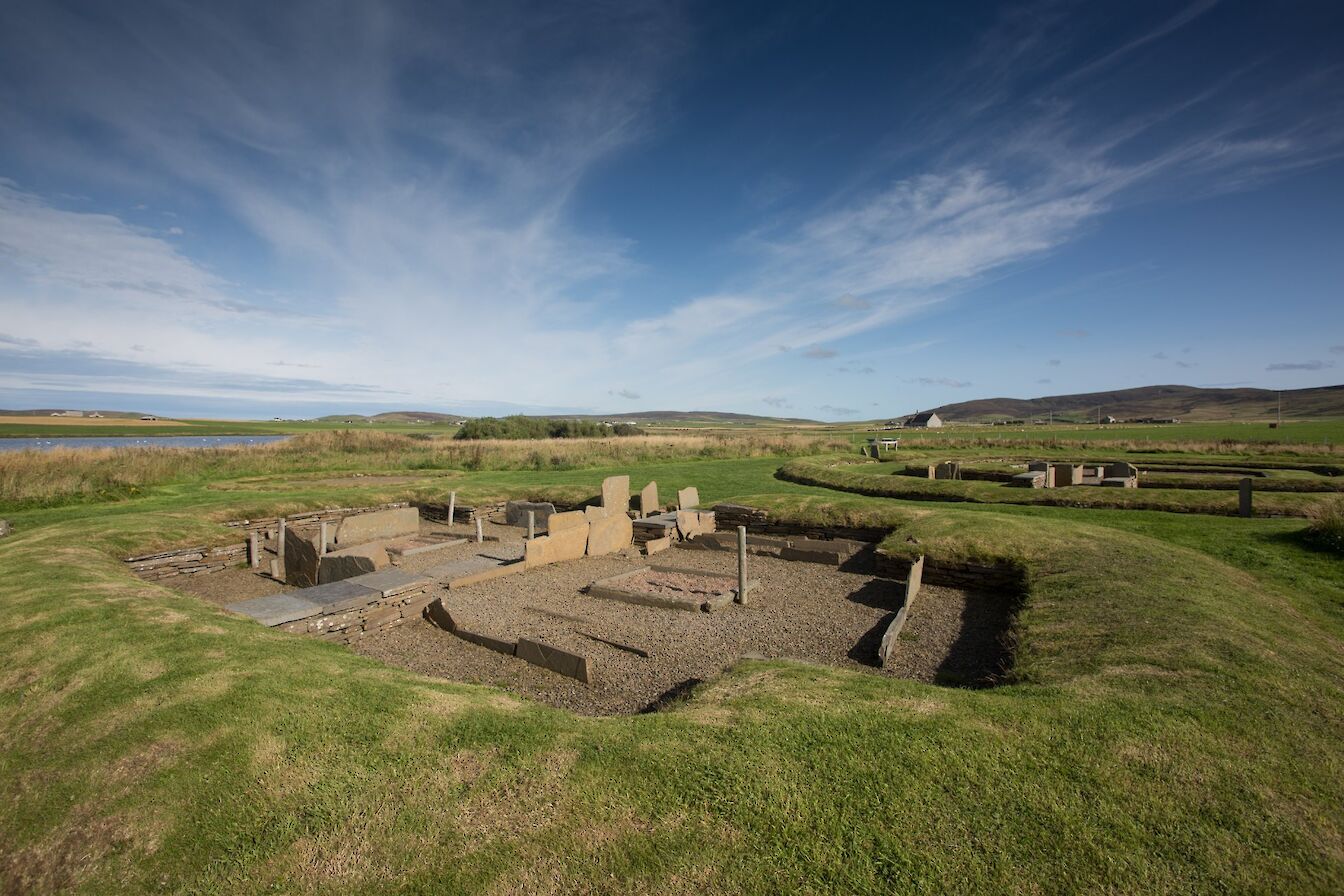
(803,611)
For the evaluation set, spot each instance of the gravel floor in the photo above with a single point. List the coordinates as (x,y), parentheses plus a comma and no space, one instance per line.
(803,611)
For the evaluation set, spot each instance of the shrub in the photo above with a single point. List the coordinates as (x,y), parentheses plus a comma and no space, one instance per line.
(1327,524)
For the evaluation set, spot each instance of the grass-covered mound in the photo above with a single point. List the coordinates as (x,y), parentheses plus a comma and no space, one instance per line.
(850,474)
(1175,728)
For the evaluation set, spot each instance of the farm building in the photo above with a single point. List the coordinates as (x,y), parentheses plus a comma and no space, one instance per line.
(926,420)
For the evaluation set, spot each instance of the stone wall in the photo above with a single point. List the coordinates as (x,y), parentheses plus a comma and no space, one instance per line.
(353,623)
(728,517)
(462,513)
(187,561)
(311,517)
(970,576)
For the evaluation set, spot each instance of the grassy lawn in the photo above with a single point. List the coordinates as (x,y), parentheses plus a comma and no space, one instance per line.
(1173,727)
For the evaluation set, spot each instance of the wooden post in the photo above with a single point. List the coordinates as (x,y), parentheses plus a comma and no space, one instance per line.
(254,548)
(531,524)
(741,564)
(1244,508)
(280,547)
(480,536)
(322,548)
(452,508)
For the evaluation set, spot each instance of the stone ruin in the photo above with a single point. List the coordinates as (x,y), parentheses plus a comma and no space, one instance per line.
(1044,474)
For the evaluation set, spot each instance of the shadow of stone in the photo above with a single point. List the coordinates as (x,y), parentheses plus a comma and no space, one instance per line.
(865,649)
(863,561)
(880,594)
(674,696)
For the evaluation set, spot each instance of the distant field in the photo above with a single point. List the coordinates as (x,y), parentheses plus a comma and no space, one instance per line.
(101,423)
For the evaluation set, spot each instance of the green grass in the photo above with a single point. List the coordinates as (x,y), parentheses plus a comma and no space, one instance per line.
(849,474)
(1174,728)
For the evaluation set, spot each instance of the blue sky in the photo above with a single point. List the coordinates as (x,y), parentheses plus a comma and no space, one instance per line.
(843,213)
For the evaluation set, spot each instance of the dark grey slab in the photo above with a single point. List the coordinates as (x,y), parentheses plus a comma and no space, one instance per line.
(339,595)
(390,581)
(276,609)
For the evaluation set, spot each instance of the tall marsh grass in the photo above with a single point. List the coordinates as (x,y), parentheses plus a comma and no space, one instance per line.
(65,475)
(1327,523)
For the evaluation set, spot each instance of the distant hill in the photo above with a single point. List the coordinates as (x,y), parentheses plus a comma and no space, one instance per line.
(719,417)
(1183,402)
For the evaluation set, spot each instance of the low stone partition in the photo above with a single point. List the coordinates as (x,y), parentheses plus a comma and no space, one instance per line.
(538,653)
(729,516)
(187,561)
(462,513)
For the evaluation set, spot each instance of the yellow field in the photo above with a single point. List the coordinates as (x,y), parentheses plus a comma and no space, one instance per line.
(85,421)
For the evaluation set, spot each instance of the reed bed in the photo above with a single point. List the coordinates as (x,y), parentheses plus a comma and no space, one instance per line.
(65,475)
(1138,446)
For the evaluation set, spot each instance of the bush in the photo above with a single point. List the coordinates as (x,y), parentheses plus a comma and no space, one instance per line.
(520,427)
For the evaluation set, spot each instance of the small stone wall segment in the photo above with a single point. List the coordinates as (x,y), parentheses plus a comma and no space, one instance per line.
(187,561)
(728,517)
(538,653)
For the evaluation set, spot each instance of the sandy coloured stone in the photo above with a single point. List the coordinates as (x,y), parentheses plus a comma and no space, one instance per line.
(688,498)
(609,535)
(592,513)
(567,544)
(571,519)
(648,499)
(556,659)
(655,545)
(616,493)
(380,524)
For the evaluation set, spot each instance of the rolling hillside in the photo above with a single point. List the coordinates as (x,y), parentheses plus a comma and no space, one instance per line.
(1183,402)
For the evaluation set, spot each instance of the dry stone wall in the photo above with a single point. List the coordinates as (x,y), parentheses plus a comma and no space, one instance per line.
(187,561)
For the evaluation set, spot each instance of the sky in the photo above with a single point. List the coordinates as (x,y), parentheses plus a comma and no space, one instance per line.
(841,213)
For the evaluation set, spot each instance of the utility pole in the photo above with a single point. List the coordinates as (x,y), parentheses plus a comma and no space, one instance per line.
(1280,413)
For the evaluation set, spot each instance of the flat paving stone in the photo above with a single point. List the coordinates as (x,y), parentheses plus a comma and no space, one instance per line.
(339,595)
(465,566)
(390,581)
(276,609)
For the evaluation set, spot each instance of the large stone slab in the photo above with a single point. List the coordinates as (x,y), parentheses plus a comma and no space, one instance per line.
(688,498)
(1067,474)
(301,559)
(378,525)
(1121,470)
(559,660)
(648,500)
(390,582)
(349,562)
(276,609)
(592,513)
(607,536)
(341,595)
(515,513)
(893,632)
(948,470)
(571,519)
(616,494)
(567,544)
(5,528)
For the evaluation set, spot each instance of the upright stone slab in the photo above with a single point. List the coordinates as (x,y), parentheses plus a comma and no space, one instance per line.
(948,470)
(515,512)
(648,500)
(1067,474)
(616,494)
(688,498)
(350,562)
(609,535)
(6,528)
(378,526)
(1244,504)
(1121,470)
(300,558)
(570,519)
(593,513)
(1038,466)
(556,659)
(568,543)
